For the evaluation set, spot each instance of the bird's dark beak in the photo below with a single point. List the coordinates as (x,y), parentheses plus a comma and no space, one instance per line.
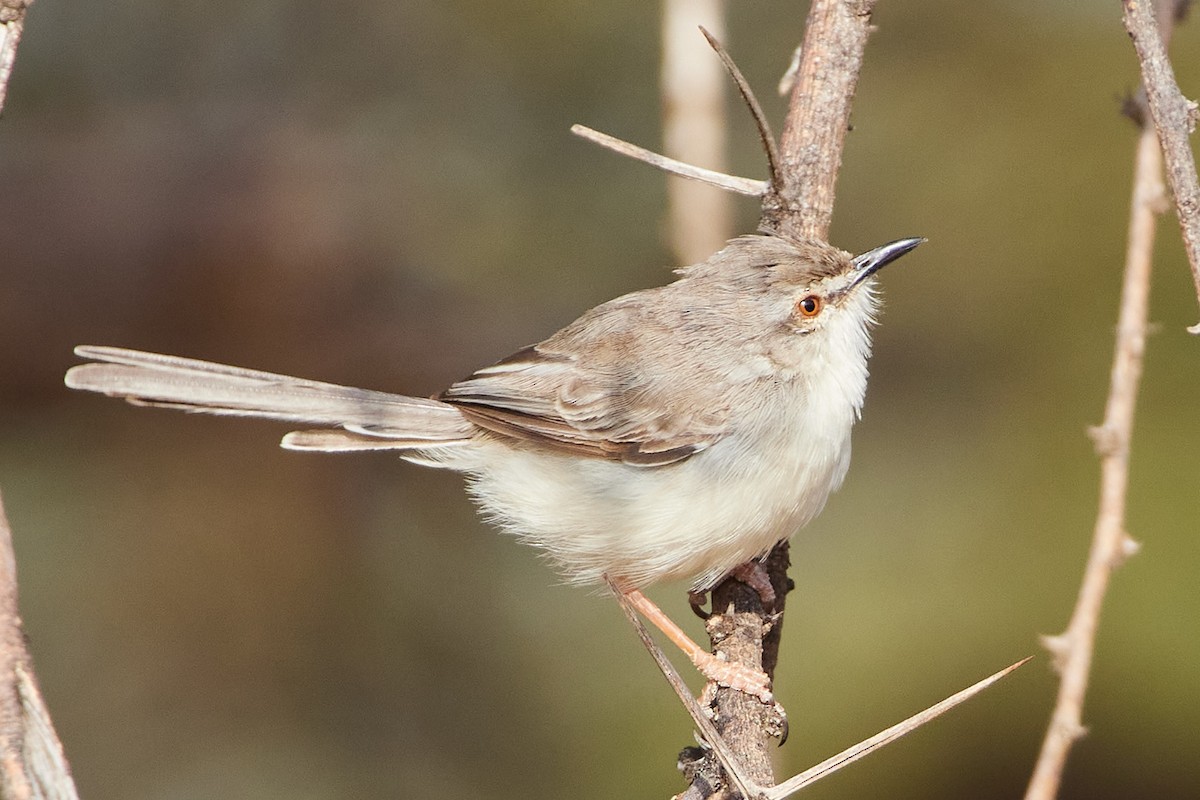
(872,261)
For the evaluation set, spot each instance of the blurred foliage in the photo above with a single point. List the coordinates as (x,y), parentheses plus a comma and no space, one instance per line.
(386,194)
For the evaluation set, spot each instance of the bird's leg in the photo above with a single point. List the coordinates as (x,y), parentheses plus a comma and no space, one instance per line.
(711,740)
(735,676)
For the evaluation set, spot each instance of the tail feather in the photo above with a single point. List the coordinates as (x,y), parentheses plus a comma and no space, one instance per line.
(343,441)
(205,387)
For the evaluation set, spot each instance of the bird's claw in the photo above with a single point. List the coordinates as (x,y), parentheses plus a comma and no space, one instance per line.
(736,676)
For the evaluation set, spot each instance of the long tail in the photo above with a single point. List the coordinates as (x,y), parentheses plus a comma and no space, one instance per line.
(363,419)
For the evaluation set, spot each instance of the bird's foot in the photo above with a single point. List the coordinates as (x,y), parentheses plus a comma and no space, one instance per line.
(697,599)
(736,676)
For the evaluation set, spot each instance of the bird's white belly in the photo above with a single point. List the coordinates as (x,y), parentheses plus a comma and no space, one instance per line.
(696,519)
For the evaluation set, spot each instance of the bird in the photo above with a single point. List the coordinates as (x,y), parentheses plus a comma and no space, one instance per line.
(673,433)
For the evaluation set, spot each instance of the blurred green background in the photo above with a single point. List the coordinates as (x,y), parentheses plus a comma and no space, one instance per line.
(386,194)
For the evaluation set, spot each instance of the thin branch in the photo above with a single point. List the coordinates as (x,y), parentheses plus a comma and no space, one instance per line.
(1111,545)
(730,183)
(12,24)
(868,746)
(1174,119)
(32,763)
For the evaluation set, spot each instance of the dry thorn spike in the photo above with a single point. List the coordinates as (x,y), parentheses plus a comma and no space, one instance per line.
(760,119)
(867,746)
(1128,548)
(1059,647)
(730,183)
(1073,730)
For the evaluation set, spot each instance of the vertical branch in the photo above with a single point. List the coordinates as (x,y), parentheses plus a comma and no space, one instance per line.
(799,203)
(1111,545)
(12,24)
(746,630)
(32,763)
(699,217)
(818,117)
(1072,650)
(1174,116)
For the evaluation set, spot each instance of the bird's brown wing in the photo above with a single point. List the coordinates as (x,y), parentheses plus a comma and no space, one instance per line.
(602,398)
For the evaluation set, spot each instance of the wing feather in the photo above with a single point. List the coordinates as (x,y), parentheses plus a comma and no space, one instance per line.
(597,389)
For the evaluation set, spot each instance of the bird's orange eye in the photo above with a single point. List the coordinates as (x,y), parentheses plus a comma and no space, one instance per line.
(809,305)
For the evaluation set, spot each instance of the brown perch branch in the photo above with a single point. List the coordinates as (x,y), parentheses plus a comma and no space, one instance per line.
(798,204)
